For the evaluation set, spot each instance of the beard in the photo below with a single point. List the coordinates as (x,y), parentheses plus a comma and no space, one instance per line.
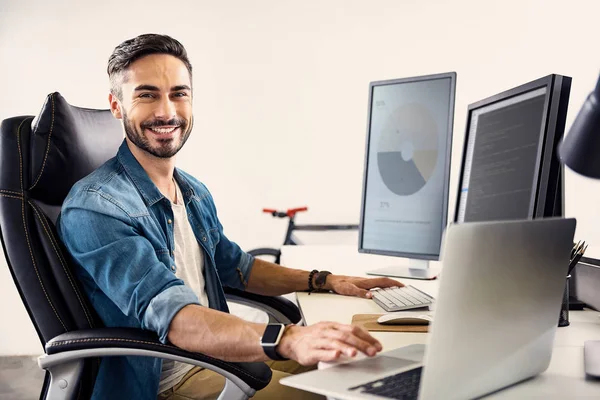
(166,148)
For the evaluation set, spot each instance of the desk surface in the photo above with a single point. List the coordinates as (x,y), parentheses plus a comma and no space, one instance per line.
(565,377)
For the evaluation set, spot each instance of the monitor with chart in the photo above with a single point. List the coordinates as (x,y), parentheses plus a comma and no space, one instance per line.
(407,171)
(510,167)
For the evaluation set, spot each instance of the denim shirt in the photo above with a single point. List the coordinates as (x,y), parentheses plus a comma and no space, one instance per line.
(118,228)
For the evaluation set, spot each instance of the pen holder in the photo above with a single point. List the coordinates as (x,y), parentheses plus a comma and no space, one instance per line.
(563,319)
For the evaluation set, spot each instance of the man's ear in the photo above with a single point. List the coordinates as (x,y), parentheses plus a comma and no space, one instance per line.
(115,106)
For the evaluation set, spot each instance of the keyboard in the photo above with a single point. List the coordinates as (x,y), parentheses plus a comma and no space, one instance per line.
(401,298)
(402,386)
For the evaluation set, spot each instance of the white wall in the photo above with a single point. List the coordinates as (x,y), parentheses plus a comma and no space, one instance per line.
(281,90)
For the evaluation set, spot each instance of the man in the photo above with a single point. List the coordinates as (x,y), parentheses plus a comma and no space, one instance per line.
(152,253)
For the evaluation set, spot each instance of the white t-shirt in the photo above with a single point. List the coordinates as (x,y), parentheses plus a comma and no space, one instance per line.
(189,261)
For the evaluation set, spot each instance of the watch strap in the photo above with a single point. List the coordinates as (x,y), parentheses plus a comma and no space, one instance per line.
(271,352)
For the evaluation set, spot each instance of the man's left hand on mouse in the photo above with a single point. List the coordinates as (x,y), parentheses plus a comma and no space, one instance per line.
(354,286)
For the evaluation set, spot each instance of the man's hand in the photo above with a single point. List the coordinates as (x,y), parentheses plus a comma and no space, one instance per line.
(353,286)
(325,341)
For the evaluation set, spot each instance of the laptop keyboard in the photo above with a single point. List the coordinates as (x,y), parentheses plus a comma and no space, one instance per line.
(401,298)
(402,386)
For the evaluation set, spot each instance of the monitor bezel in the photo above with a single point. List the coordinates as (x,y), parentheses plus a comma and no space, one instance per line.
(372,85)
(553,123)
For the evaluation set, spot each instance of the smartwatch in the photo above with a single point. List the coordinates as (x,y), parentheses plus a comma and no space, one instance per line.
(270,340)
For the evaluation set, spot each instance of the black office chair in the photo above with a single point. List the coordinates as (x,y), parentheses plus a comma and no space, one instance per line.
(42,158)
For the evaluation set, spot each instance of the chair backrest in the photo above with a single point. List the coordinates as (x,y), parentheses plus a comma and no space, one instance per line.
(42,157)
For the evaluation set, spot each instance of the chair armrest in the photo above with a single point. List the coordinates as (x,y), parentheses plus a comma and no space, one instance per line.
(103,342)
(265,251)
(279,308)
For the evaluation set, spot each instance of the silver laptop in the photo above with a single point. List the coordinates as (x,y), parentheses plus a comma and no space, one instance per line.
(495,318)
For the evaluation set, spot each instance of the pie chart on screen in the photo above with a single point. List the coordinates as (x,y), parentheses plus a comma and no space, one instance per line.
(408,149)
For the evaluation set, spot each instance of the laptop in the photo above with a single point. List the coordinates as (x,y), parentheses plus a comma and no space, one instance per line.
(495,318)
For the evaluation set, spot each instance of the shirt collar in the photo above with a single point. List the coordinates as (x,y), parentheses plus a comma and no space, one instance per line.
(142,181)
(184,185)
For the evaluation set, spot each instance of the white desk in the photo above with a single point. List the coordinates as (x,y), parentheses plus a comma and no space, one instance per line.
(565,377)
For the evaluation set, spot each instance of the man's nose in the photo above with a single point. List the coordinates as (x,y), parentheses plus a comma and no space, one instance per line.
(165,109)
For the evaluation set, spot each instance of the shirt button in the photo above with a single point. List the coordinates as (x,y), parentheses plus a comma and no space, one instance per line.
(173,267)
(169,221)
(204,238)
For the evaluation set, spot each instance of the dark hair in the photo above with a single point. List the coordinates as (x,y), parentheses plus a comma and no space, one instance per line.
(133,49)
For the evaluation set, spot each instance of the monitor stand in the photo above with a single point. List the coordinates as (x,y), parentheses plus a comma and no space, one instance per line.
(417,269)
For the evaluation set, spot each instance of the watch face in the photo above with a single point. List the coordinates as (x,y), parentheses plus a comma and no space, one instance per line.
(321,278)
(271,334)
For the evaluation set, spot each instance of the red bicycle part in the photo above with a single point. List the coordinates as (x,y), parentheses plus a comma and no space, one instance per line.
(292,211)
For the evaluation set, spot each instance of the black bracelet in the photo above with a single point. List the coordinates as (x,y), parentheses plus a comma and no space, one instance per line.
(311,288)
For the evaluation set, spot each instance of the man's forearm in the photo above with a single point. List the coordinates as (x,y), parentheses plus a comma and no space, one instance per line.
(217,334)
(271,279)
(226,337)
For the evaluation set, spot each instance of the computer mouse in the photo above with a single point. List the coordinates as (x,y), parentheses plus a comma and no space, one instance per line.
(396,319)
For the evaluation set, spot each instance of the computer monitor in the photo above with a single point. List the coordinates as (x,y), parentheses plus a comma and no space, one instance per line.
(510,166)
(407,171)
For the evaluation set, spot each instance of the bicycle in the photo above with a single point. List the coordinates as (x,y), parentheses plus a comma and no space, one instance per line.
(292,226)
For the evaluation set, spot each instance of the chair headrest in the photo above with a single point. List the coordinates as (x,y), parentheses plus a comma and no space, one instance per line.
(68,143)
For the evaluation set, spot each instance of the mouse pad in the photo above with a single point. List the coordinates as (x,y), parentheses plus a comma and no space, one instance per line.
(369,322)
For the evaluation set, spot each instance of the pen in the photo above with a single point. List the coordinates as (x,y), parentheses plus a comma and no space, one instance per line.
(574,249)
(575,260)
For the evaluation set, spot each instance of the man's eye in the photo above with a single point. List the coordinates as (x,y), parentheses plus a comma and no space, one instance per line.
(180,94)
(146,95)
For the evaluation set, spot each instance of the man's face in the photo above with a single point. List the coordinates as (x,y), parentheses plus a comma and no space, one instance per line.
(156,105)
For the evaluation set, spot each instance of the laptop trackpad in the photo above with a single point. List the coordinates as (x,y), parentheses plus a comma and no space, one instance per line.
(387,361)
(376,365)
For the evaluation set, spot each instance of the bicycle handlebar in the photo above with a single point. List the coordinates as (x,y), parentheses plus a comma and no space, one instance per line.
(291,212)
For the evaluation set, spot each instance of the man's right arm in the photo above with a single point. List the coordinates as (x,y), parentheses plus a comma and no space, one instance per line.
(229,338)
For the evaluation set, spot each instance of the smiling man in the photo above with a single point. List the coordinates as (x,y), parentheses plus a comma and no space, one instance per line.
(151,253)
